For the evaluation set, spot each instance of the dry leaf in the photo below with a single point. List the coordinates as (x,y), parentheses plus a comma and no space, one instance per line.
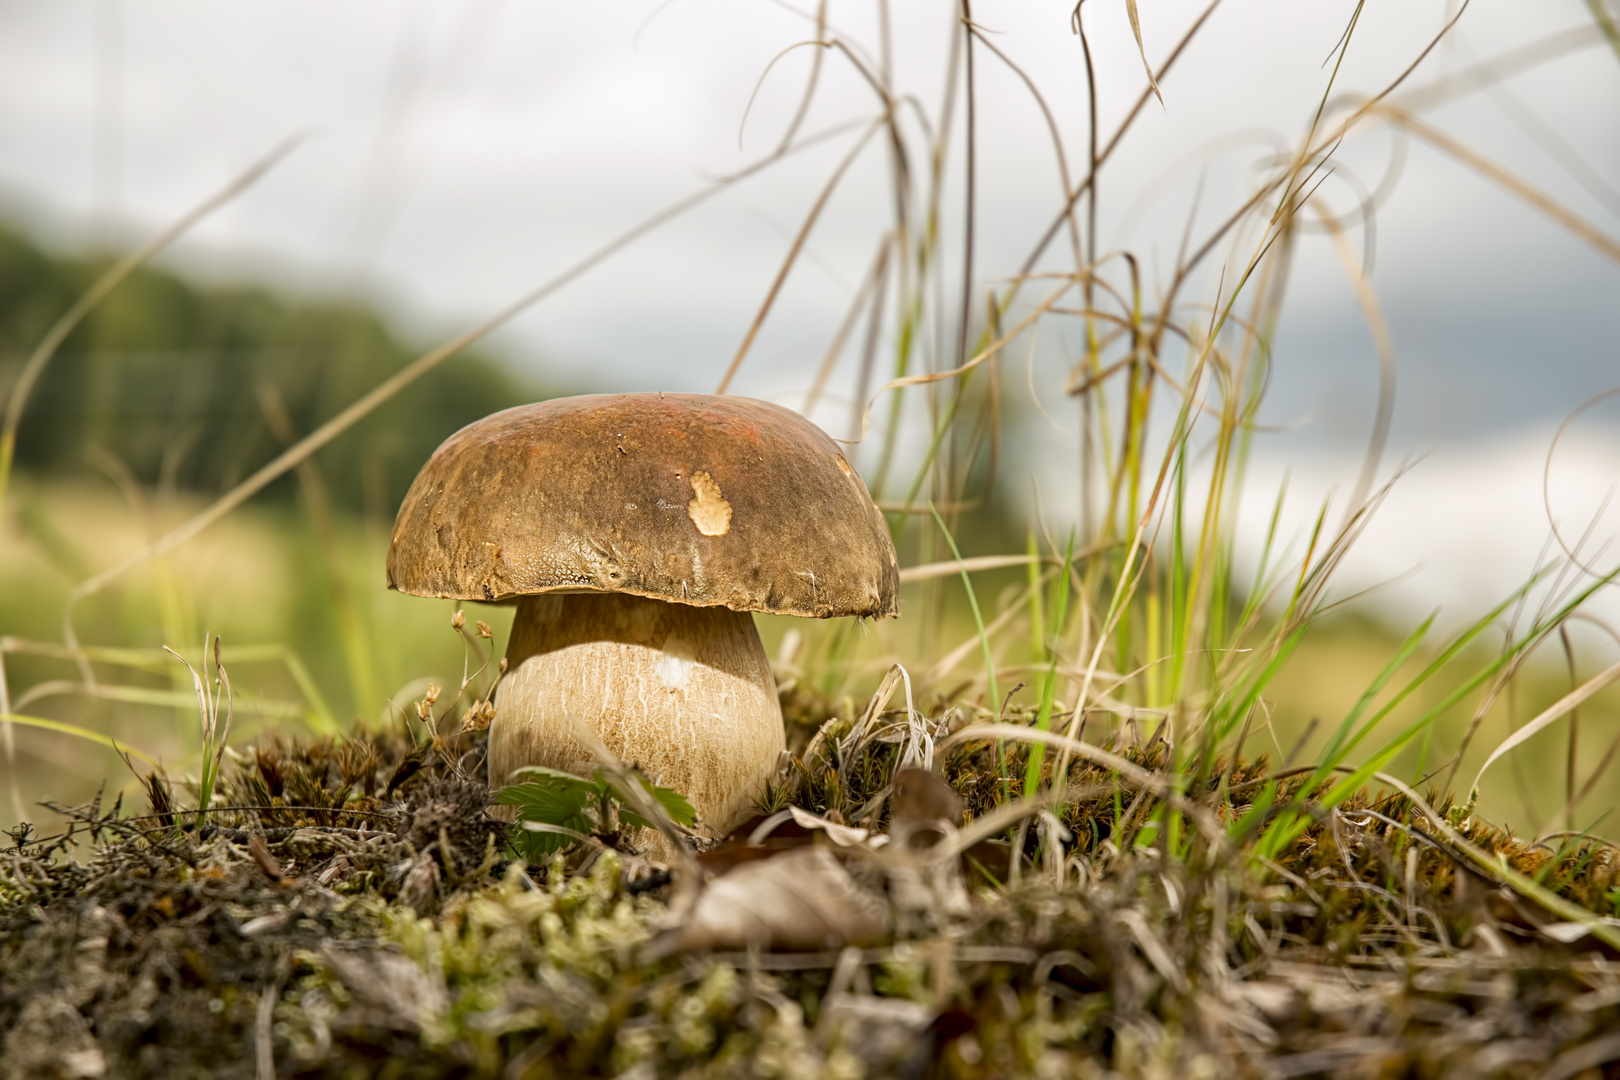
(842,835)
(889,1035)
(1277,1002)
(420,889)
(387,989)
(1567,933)
(922,804)
(800,900)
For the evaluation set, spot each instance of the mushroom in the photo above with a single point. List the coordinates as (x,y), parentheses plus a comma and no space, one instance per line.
(636,533)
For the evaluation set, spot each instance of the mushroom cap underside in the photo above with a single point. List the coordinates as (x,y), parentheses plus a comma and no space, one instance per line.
(690,498)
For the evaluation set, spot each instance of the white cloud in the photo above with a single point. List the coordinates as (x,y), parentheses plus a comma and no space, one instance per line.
(493,144)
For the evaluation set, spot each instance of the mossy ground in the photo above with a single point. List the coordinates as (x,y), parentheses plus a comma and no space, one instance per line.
(361,917)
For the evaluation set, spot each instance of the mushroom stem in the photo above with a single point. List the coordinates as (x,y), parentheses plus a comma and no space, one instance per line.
(685,693)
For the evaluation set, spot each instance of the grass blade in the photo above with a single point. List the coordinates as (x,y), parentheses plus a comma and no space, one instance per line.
(1552,713)
(62,727)
(1043,719)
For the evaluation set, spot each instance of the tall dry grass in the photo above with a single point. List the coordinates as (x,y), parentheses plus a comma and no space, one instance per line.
(1136,625)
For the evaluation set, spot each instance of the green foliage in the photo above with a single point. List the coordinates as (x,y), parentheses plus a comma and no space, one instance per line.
(180,382)
(215,734)
(555,808)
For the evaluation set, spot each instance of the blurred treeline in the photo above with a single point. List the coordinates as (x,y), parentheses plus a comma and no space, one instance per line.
(194,387)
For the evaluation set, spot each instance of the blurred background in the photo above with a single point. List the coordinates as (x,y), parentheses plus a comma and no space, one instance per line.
(455,155)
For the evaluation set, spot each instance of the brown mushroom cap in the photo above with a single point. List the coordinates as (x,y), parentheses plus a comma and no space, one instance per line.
(690,498)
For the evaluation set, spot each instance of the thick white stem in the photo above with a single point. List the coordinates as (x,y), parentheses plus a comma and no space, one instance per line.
(686,693)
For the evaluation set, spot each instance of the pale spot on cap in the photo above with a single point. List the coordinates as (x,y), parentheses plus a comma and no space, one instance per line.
(708,511)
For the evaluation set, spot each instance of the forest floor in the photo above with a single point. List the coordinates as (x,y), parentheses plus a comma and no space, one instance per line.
(348,908)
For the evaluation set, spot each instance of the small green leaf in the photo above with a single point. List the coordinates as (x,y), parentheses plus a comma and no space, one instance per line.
(536,841)
(543,829)
(541,802)
(553,830)
(555,778)
(555,808)
(674,803)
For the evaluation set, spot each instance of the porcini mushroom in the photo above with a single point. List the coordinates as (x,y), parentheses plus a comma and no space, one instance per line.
(636,533)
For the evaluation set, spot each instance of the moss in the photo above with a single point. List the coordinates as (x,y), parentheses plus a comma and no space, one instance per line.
(360,913)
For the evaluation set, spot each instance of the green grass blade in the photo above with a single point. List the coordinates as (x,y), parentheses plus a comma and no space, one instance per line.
(1037,617)
(1228,714)
(61,727)
(973,602)
(1043,719)
(1337,746)
(1289,826)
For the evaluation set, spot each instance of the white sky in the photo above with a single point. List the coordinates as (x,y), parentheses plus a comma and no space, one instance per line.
(461,152)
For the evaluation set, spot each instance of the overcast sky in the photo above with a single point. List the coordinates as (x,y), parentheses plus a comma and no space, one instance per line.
(461,152)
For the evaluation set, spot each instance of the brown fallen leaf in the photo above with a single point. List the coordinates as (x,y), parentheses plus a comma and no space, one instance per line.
(835,830)
(800,900)
(420,889)
(922,800)
(386,989)
(920,809)
(924,812)
(888,1034)
(267,862)
(740,847)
